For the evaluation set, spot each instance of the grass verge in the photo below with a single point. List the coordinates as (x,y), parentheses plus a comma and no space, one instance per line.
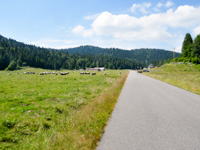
(86,126)
(185,76)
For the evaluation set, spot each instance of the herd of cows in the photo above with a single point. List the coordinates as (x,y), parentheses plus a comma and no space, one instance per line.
(61,73)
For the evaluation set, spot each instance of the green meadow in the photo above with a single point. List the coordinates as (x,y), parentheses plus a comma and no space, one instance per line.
(54,111)
(186,76)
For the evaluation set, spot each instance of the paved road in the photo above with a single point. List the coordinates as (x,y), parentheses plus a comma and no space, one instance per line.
(152,115)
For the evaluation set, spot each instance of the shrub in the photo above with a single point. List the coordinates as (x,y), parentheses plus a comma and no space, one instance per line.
(12,66)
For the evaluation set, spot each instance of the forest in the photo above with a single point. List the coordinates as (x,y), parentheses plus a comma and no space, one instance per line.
(145,55)
(14,55)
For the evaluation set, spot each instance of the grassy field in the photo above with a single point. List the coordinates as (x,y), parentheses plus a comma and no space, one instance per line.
(56,112)
(186,76)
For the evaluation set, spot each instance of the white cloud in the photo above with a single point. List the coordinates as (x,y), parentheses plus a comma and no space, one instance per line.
(197,30)
(52,43)
(80,30)
(159,5)
(168,27)
(184,16)
(128,28)
(141,7)
(154,26)
(91,17)
(169,4)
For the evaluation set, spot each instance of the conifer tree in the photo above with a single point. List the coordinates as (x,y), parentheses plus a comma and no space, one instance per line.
(196,47)
(187,45)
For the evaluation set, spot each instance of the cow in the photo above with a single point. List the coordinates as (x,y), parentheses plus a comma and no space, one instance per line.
(81,73)
(64,73)
(29,72)
(88,73)
(94,73)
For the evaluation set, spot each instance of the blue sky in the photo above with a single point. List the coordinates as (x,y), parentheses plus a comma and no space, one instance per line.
(126,24)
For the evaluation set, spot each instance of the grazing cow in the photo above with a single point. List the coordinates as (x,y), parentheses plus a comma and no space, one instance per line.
(88,73)
(81,73)
(104,74)
(43,73)
(54,73)
(9,74)
(29,72)
(64,73)
(94,73)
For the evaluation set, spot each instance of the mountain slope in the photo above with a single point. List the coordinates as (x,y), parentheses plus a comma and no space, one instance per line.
(142,55)
(15,54)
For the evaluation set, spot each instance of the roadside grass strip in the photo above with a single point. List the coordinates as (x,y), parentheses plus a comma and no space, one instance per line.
(185,76)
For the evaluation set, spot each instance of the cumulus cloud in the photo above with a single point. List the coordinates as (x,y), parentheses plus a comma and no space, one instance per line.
(80,30)
(141,7)
(158,27)
(128,27)
(153,26)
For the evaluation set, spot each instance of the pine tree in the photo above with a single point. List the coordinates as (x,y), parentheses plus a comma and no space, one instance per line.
(196,47)
(187,45)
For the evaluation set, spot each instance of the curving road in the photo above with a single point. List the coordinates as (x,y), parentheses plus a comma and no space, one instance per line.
(152,115)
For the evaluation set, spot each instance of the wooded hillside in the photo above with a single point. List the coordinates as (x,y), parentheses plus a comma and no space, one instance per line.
(154,56)
(15,54)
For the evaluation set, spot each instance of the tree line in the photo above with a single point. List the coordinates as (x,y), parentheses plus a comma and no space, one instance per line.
(14,55)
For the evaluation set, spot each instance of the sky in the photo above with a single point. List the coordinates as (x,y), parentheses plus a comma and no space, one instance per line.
(126,24)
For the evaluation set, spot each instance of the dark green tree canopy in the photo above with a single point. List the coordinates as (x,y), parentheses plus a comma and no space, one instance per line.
(196,47)
(186,48)
(190,50)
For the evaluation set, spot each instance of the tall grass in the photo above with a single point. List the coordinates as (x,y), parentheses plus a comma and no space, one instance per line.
(85,127)
(186,76)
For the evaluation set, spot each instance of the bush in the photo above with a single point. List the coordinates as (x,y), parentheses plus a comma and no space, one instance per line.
(12,66)
(195,60)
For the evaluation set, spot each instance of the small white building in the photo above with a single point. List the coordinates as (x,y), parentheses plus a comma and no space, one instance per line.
(150,66)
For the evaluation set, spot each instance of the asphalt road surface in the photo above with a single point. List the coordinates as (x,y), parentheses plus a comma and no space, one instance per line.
(152,115)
